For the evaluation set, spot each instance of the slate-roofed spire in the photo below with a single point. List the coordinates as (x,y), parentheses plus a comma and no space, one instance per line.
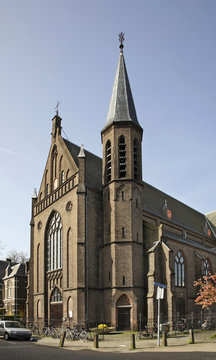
(121,105)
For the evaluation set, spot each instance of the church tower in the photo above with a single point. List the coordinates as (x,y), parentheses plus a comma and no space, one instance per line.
(122,254)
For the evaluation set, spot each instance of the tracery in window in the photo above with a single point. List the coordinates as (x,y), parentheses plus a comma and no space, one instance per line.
(54,243)
(179,270)
(56,296)
(206,268)
(108,161)
(122,157)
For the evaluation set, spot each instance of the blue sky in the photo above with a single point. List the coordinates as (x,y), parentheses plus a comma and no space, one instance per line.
(67,50)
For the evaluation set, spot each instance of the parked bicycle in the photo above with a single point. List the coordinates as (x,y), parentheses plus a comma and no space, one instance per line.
(77,333)
(147,332)
(51,331)
(181,325)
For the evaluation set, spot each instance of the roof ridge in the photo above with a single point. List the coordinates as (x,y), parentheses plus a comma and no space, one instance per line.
(170,196)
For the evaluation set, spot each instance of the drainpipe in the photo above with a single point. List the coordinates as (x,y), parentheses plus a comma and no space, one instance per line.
(86,260)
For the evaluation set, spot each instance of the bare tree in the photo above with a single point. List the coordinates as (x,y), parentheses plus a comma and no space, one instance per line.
(17,256)
(1,248)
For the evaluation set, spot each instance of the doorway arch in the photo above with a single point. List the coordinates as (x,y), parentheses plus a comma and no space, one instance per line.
(123,313)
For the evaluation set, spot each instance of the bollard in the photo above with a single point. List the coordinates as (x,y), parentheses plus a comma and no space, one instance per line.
(191,337)
(96,346)
(164,338)
(133,344)
(62,339)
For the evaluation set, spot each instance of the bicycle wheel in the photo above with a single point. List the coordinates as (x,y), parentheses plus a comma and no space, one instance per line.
(140,335)
(83,335)
(68,335)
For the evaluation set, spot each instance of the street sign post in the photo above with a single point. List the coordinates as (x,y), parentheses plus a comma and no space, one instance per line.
(160,295)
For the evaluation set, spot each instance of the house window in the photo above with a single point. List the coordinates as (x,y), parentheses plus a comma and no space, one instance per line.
(122,157)
(179,270)
(9,289)
(135,158)
(54,243)
(108,161)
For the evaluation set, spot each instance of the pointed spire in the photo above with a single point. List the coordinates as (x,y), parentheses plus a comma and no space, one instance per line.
(121,105)
(34,195)
(82,152)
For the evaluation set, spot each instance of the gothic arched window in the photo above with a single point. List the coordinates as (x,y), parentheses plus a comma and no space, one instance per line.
(206,268)
(179,270)
(122,156)
(56,296)
(108,161)
(54,243)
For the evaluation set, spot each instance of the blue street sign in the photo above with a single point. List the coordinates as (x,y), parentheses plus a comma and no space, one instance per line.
(160,285)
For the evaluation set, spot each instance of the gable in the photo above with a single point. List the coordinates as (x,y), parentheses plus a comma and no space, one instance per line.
(60,166)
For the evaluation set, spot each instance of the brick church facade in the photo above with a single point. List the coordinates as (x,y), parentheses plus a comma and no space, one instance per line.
(101,236)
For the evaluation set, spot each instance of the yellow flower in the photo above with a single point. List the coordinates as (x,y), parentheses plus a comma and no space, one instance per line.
(102,326)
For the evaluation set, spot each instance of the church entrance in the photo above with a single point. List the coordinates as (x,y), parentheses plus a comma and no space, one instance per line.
(56,314)
(56,308)
(123,313)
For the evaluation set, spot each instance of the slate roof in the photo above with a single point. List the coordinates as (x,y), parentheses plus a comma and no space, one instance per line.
(122,106)
(3,266)
(93,165)
(154,201)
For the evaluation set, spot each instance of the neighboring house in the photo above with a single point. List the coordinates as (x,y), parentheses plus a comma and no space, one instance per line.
(15,281)
(3,266)
(101,236)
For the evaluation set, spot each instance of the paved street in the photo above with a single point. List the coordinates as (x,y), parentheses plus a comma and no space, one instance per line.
(17,350)
(113,347)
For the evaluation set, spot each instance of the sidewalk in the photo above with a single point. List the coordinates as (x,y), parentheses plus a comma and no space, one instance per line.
(122,342)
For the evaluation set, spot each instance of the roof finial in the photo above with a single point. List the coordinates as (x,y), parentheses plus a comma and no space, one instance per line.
(121,39)
(57,106)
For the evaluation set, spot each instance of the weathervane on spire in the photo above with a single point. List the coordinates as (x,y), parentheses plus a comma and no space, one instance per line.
(57,106)
(121,39)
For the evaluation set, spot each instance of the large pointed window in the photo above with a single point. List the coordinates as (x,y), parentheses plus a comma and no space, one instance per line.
(179,270)
(135,158)
(108,161)
(54,243)
(206,268)
(122,157)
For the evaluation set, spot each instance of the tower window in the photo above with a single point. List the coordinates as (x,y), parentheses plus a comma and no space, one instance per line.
(122,157)
(135,158)
(123,280)
(108,161)
(123,232)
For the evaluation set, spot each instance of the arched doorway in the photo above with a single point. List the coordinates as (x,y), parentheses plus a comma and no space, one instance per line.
(123,312)
(56,308)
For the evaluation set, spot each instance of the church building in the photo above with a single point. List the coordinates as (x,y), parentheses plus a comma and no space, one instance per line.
(101,237)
